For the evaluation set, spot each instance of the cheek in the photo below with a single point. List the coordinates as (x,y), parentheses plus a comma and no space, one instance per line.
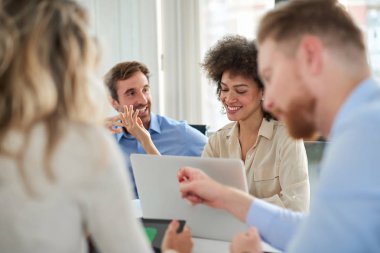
(124,101)
(222,97)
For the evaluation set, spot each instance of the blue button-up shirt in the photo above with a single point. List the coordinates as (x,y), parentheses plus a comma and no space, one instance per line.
(170,136)
(345,211)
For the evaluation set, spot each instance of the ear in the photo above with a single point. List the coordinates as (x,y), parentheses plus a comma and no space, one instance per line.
(261,92)
(310,55)
(115,104)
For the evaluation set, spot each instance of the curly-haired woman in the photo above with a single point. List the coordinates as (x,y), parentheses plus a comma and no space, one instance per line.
(276,165)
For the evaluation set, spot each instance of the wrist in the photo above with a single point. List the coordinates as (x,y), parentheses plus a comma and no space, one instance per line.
(237,203)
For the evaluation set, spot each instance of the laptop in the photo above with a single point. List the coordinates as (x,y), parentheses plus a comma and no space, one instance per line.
(160,198)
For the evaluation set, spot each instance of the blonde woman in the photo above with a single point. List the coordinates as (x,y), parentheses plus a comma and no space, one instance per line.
(61,174)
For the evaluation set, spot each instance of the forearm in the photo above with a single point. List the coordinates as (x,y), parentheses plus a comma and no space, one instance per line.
(275,224)
(237,203)
(149,147)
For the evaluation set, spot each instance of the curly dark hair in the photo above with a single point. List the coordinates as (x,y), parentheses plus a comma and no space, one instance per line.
(236,54)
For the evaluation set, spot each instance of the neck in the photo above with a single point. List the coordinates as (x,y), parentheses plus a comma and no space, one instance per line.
(251,126)
(331,101)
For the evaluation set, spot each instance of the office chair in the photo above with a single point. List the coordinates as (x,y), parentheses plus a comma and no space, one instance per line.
(201,128)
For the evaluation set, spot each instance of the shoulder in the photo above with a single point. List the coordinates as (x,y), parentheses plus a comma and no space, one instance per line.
(282,138)
(167,120)
(280,131)
(89,141)
(180,127)
(224,132)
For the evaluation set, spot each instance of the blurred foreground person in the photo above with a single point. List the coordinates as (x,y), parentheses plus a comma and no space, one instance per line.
(62,177)
(313,62)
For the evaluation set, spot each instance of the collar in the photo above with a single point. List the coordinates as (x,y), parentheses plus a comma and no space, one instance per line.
(358,96)
(153,128)
(266,129)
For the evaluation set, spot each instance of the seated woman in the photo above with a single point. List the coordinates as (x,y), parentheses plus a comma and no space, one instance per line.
(62,175)
(276,165)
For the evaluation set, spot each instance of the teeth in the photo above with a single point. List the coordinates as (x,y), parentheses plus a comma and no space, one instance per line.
(233,108)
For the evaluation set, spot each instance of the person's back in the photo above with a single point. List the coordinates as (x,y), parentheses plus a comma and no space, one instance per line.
(62,177)
(86,194)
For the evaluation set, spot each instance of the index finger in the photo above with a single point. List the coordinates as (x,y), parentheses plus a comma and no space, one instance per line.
(113,118)
(184,174)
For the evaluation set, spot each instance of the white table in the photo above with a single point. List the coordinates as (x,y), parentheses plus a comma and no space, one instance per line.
(202,245)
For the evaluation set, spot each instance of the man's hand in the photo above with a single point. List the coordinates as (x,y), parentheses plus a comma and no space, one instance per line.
(133,124)
(197,187)
(180,242)
(112,122)
(246,242)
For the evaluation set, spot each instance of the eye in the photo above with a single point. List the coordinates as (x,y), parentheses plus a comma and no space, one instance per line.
(241,91)
(266,77)
(130,93)
(146,89)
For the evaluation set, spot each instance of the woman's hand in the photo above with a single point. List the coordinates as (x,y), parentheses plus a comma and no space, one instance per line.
(180,242)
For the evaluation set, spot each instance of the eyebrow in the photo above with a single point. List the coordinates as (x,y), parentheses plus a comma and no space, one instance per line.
(235,85)
(132,89)
(129,90)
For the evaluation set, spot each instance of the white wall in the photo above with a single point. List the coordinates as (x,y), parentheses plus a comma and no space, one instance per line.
(128,31)
(165,36)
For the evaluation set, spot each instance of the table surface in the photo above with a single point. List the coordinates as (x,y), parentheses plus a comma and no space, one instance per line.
(202,245)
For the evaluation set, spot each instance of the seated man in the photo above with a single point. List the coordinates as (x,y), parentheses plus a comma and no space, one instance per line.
(128,83)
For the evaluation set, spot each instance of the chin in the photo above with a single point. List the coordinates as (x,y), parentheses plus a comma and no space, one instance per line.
(232,118)
(301,129)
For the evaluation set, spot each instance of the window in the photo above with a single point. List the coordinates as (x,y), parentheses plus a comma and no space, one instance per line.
(217,19)
(367,15)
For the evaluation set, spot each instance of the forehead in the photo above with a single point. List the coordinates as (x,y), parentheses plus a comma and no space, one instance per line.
(229,77)
(268,51)
(137,80)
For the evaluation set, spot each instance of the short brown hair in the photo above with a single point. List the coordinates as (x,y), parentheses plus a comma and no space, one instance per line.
(326,19)
(123,71)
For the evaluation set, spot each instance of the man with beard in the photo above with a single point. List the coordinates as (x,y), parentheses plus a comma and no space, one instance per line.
(128,83)
(313,62)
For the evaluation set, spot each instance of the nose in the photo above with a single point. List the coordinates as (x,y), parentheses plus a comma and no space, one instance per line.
(268,103)
(228,97)
(142,98)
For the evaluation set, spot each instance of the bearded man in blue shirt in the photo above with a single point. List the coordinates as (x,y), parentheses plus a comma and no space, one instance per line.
(313,62)
(128,83)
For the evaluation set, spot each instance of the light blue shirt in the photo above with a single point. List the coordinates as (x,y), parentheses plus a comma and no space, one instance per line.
(170,136)
(345,211)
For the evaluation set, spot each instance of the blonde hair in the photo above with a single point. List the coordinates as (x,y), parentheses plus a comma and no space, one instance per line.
(47,71)
(326,19)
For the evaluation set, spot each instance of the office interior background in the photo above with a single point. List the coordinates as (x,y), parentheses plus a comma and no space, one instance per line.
(172,36)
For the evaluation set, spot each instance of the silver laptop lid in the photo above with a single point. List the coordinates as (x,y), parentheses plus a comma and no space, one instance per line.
(158,188)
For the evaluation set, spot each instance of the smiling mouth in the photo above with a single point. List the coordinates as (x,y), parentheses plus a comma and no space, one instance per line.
(142,110)
(233,108)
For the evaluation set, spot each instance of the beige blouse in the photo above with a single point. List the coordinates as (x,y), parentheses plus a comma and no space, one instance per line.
(276,166)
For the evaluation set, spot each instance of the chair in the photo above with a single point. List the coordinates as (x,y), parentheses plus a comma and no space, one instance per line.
(201,128)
